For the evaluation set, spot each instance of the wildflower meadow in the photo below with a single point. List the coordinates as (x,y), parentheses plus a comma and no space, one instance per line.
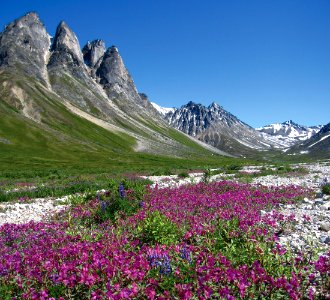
(199,241)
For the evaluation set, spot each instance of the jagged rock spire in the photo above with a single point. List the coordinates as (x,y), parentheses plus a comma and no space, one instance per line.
(115,78)
(93,52)
(24,46)
(65,48)
(112,69)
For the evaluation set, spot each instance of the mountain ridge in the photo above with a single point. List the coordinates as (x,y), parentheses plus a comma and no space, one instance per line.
(288,133)
(48,89)
(215,126)
(52,82)
(280,136)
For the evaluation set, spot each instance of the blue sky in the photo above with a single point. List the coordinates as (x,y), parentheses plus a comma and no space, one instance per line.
(264,61)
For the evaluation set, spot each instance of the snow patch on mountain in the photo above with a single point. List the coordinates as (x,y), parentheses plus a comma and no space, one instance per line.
(288,133)
(321,139)
(162,110)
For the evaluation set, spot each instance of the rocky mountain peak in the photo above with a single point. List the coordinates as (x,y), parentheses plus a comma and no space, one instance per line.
(29,19)
(93,52)
(215,126)
(214,106)
(190,104)
(25,42)
(65,48)
(288,133)
(113,73)
(291,123)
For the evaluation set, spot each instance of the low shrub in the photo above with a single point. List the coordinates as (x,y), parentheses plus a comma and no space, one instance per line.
(183,175)
(326,189)
(156,228)
(206,175)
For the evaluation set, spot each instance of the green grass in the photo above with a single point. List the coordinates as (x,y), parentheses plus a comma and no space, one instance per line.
(65,148)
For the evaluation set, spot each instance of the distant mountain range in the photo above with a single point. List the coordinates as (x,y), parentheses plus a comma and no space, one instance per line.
(59,102)
(216,126)
(288,133)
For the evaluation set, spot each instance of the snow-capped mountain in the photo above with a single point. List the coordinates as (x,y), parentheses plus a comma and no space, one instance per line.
(288,133)
(217,127)
(317,146)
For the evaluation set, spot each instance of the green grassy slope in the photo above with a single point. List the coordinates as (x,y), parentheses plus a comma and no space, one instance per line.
(63,140)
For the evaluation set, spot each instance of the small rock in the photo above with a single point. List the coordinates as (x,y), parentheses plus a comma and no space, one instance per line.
(319,195)
(326,197)
(325,206)
(308,207)
(318,202)
(325,239)
(325,226)
(307,201)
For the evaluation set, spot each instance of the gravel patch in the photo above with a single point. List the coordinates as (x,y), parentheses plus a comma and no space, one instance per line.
(35,210)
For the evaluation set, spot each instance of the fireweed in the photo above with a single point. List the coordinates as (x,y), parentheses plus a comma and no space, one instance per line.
(226,250)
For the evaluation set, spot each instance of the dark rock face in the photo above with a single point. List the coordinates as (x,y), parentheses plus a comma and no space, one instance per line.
(316,146)
(194,119)
(113,73)
(115,78)
(93,52)
(217,127)
(65,50)
(24,46)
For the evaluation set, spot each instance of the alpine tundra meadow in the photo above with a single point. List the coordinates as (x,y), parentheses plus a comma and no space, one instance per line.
(195,241)
(206,177)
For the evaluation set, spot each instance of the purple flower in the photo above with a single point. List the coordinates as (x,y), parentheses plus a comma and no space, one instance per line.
(160,261)
(121,190)
(185,254)
(103,205)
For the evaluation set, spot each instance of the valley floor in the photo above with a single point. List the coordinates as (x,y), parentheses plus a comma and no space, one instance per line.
(312,218)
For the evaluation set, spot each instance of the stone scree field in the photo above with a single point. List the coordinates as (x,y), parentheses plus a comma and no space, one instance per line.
(215,240)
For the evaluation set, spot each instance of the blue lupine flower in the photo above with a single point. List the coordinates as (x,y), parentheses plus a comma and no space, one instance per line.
(185,254)
(121,190)
(54,278)
(104,205)
(3,271)
(162,261)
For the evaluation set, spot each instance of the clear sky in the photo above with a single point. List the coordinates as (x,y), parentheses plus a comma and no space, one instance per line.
(264,61)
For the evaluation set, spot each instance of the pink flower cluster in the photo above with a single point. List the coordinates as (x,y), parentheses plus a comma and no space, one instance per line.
(47,261)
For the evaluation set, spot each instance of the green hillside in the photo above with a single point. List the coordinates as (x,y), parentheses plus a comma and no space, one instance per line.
(59,139)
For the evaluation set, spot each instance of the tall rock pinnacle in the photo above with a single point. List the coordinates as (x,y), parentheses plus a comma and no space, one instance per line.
(115,77)
(65,49)
(93,52)
(24,46)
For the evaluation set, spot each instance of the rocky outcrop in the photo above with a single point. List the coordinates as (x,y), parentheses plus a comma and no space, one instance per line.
(93,53)
(65,51)
(93,79)
(24,47)
(194,119)
(115,78)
